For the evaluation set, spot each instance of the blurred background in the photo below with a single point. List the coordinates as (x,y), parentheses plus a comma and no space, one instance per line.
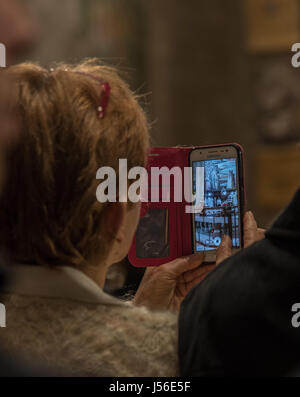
(216,72)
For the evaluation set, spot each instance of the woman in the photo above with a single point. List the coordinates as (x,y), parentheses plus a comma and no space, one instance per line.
(62,240)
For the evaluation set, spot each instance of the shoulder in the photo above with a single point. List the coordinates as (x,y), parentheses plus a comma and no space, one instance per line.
(142,341)
(121,338)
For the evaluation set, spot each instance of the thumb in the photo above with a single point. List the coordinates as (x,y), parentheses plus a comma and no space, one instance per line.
(183,264)
(250,229)
(224,250)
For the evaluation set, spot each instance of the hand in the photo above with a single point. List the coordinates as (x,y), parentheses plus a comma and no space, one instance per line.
(252,233)
(164,287)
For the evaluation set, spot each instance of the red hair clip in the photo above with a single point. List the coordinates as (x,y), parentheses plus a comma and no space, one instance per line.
(104,98)
(105,92)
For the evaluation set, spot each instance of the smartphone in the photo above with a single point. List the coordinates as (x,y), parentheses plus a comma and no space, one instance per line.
(223,201)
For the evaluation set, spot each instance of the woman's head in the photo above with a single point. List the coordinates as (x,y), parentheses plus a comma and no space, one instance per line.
(48,210)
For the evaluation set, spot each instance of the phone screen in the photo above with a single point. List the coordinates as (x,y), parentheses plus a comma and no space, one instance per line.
(221,212)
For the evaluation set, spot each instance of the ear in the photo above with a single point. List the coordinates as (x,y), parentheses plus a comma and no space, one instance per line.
(113,219)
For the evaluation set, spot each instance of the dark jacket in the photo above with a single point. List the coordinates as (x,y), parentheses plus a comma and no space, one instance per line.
(237,321)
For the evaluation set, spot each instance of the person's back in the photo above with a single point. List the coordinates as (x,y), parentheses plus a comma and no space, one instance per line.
(238,321)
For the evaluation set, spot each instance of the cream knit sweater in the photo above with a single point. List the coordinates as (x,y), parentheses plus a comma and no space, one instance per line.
(64,320)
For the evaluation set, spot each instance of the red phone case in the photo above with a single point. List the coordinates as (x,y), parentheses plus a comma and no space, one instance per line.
(178,224)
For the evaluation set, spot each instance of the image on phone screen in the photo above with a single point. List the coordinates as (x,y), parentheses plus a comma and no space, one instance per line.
(220,214)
